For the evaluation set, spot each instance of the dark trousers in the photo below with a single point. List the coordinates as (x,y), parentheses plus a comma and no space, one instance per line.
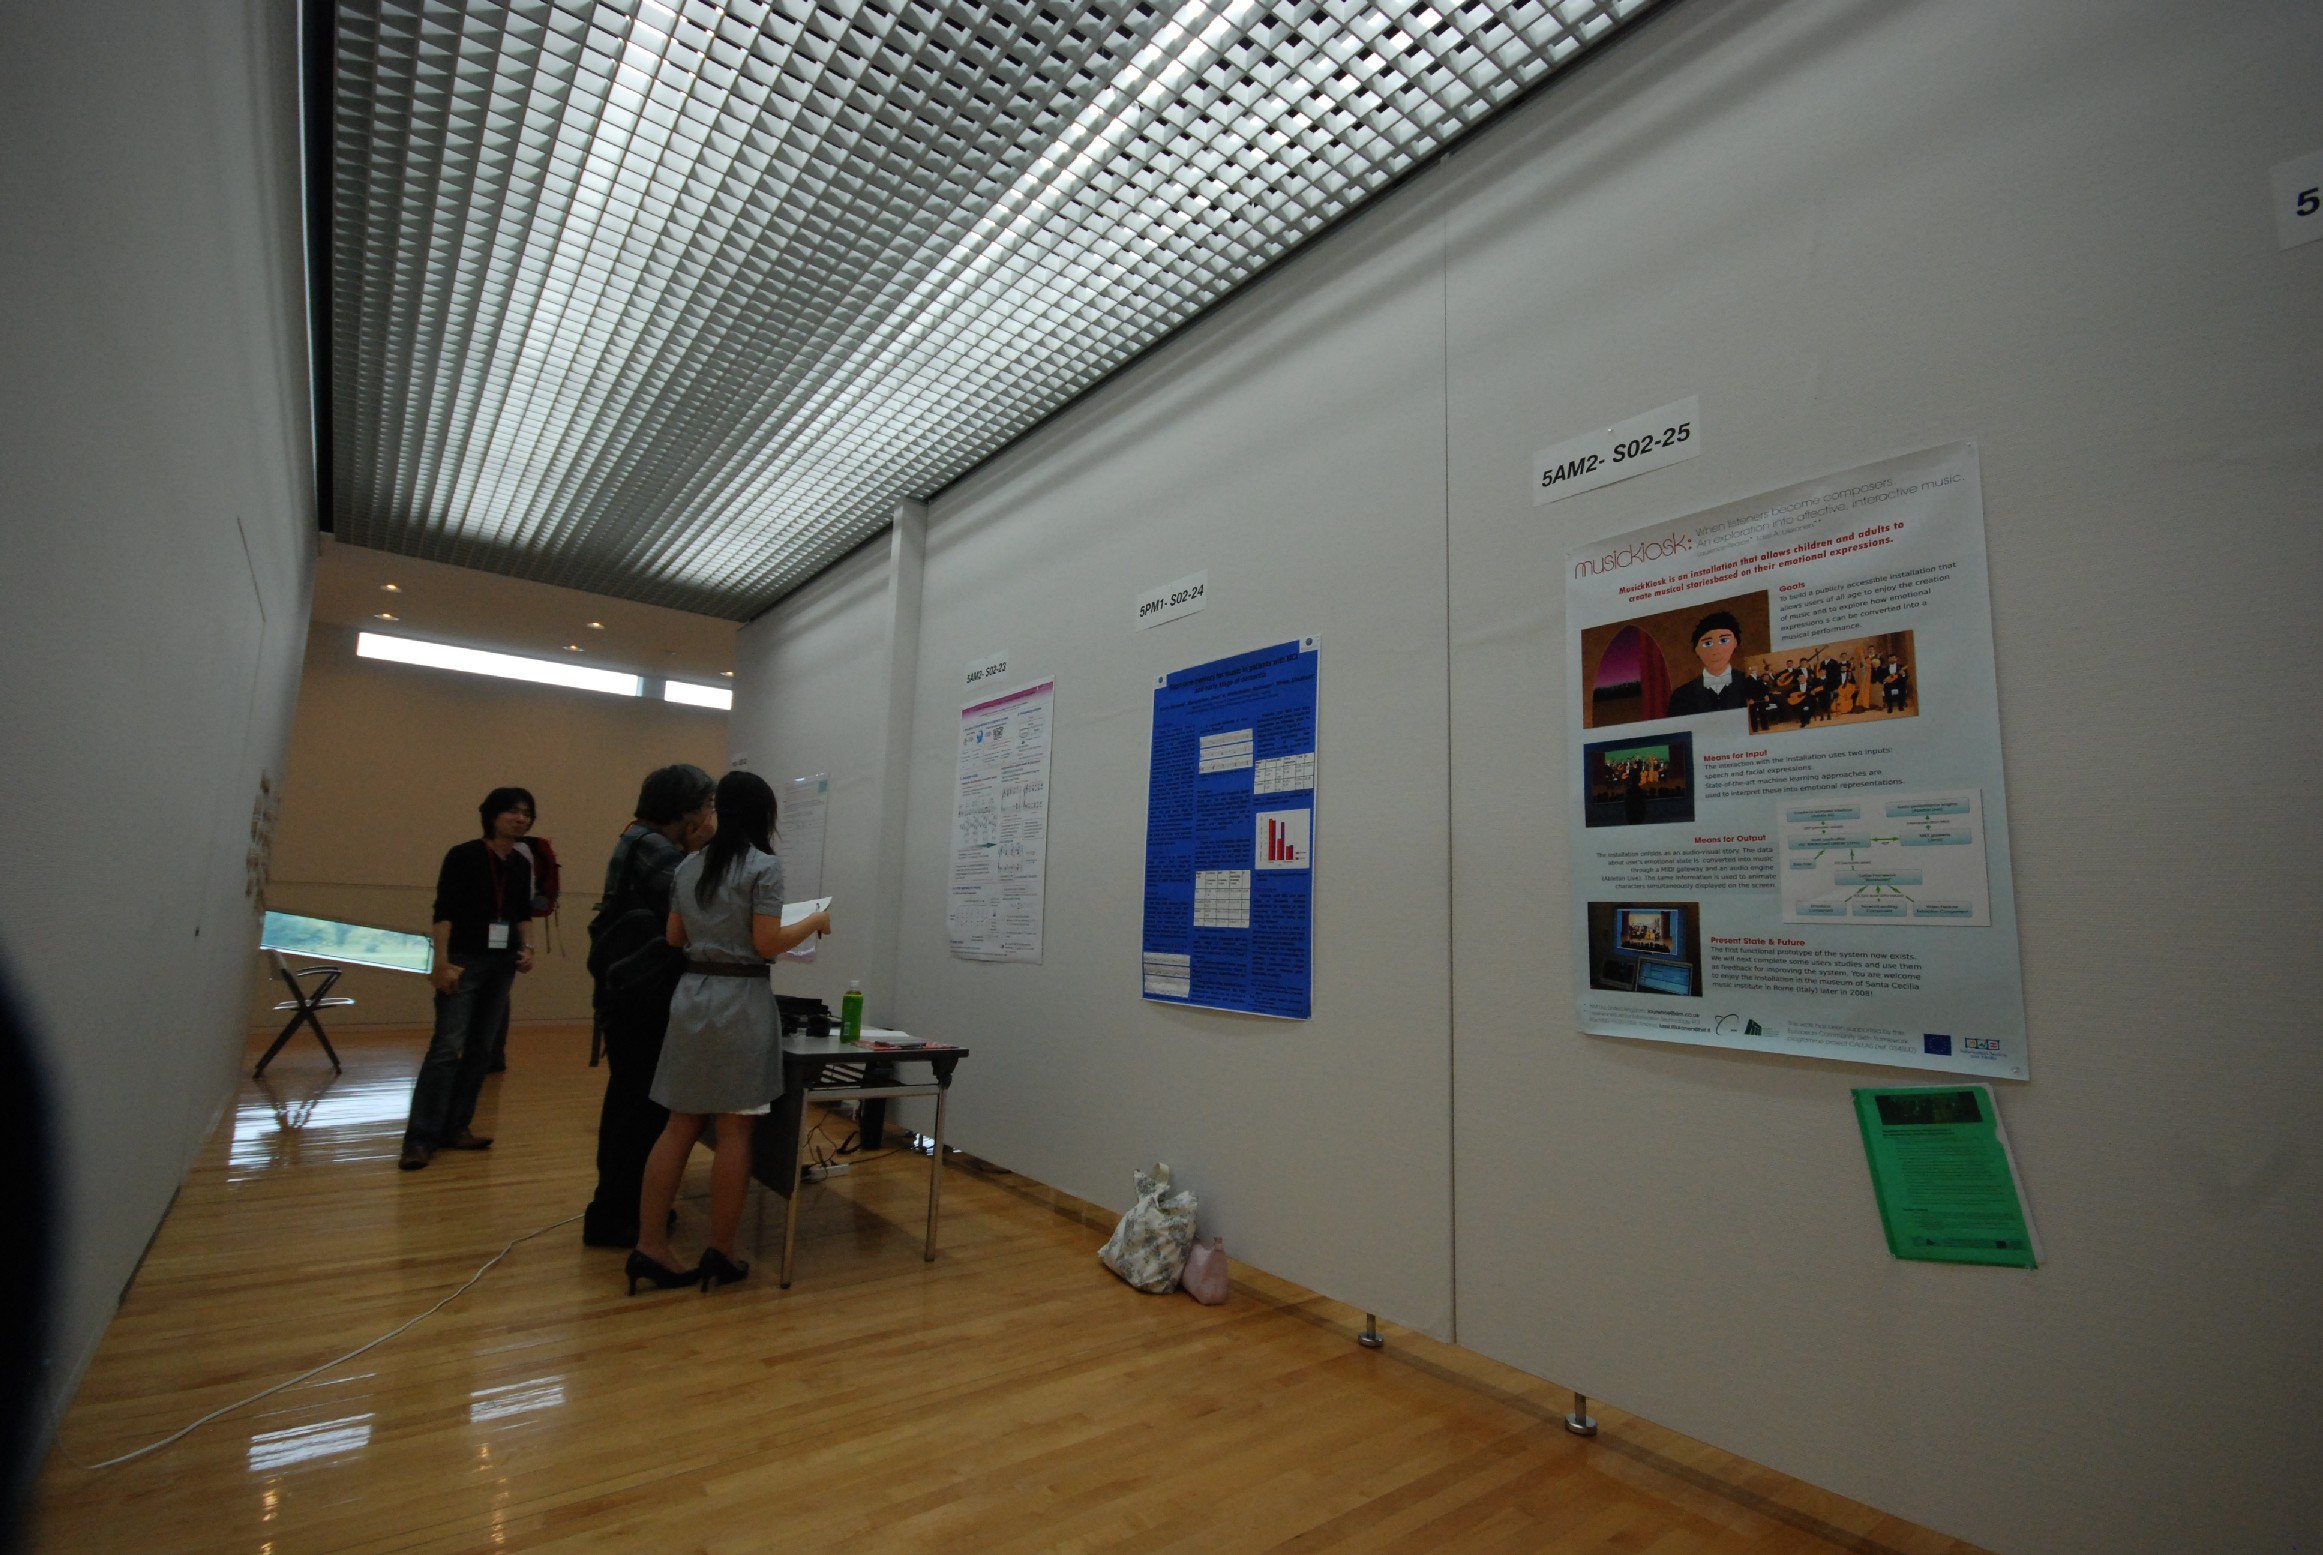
(630,1120)
(443,1098)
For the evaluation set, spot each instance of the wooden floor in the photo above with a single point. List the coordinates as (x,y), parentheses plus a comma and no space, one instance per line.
(1011,1396)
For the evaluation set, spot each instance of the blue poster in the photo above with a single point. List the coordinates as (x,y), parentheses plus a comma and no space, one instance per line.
(1230,834)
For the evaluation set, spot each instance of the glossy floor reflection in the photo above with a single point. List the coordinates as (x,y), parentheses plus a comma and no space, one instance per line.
(281,1120)
(1012,1396)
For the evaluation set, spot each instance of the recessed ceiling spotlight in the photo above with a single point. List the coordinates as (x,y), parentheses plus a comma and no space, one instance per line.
(572,647)
(596,626)
(729,674)
(382,616)
(390,588)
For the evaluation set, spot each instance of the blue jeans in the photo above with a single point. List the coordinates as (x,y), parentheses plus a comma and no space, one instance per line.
(443,1098)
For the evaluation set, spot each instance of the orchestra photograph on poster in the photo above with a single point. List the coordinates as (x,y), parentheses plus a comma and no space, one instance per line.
(1645,780)
(1853,680)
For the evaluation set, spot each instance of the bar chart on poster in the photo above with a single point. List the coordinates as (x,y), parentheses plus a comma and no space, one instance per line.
(1230,835)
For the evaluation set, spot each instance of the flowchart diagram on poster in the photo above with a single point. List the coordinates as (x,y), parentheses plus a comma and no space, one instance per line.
(1886,858)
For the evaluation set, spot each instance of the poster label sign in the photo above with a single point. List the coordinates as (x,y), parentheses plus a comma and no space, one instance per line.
(1617,452)
(1785,798)
(986,668)
(1179,598)
(2298,189)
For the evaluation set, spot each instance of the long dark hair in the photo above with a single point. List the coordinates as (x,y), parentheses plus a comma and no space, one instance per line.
(745,821)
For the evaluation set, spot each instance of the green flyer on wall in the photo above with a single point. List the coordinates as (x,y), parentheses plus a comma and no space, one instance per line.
(1945,1180)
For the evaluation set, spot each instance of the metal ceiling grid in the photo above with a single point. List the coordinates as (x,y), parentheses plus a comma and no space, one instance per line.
(673,299)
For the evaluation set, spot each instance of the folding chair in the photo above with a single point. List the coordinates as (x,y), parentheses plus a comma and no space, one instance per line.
(307,1005)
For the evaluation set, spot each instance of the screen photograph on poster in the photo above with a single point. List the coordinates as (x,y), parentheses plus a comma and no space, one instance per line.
(1809,818)
(1646,780)
(1646,947)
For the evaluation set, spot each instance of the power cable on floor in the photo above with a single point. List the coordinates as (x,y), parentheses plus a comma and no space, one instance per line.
(56,1424)
(57,1433)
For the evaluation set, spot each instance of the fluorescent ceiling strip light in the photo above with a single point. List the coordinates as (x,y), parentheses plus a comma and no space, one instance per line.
(978,265)
(502,666)
(679,295)
(697,696)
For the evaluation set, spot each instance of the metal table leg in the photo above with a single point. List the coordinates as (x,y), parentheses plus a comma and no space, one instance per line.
(790,1209)
(936,1174)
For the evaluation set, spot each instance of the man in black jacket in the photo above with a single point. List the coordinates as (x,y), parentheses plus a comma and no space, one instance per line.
(676,814)
(483,913)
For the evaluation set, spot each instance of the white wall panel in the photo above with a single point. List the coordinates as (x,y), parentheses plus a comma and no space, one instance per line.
(158,557)
(1856,229)
(1853,229)
(810,694)
(1292,446)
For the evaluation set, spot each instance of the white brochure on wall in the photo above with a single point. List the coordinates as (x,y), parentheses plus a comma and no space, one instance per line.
(804,801)
(1790,830)
(1000,825)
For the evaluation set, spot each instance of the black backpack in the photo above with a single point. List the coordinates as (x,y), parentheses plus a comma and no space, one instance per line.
(630,955)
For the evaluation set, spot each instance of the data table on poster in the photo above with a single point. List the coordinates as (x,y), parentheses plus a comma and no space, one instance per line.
(1230,834)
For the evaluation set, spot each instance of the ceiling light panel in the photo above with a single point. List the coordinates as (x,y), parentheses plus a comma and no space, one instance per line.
(673,301)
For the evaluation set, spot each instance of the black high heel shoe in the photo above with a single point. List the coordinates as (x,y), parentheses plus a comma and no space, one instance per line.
(657,1274)
(718,1269)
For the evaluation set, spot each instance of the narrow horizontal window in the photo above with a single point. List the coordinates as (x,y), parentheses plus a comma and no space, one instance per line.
(504,666)
(698,696)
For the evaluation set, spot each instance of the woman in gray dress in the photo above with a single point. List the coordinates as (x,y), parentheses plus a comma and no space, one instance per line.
(723,1056)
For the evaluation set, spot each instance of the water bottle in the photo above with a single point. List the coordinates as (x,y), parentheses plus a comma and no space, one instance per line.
(851,1014)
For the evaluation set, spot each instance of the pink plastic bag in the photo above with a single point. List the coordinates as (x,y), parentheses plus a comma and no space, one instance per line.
(1205,1278)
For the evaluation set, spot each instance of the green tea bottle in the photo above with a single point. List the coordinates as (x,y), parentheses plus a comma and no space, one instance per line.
(851,1014)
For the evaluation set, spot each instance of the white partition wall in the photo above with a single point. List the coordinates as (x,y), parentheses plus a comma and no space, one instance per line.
(1299,462)
(1853,229)
(810,694)
(156,560)
(1856,229)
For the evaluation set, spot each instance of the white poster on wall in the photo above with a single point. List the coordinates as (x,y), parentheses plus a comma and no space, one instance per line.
(804,802)
(1000,815)
(1788,818)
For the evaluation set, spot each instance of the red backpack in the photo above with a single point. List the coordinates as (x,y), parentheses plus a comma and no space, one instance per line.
(547,879)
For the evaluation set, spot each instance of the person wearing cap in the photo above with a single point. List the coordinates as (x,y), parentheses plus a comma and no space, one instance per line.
(1720,686)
